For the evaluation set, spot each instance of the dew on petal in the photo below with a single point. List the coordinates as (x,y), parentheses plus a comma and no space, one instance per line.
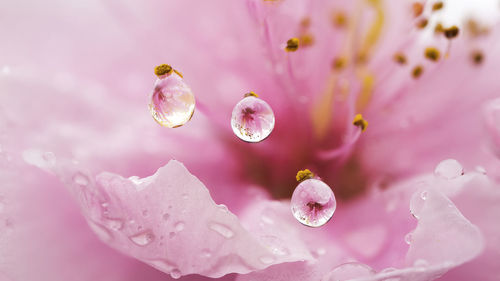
(252,119)
(222,230)
(347,271)
(205,253)
(179,226)
(275,244)
(114,224)
(80,179)
(267,259)
(317,207)
(143,238)
(417,203)
(409,238)
(172,102)
(162,265)
(449,169)
(175,273)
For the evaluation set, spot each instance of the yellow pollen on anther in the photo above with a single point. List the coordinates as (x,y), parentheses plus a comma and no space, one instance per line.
(451,32)
(163,69)
(359,121)
(422,23)
(432,53)
(438,28)
(292,44)
(437,6)
(477,57)
(251,94)
(304,175)
(339,19)
(400,58)
(418,9)
(306,39)
(339,63)
(417,71)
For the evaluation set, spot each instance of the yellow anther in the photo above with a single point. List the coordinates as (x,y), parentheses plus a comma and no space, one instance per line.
(422,23)
(251,94)
(400,58)
(178,73)
(304,175)
(432,53)
(292,44)
(339,19)
(305,22)
(417,71)
(306,39)
(163,69)
(477,57)
(418,9)
(451,32)
(360,122)
(439,28)
(437,6)
(339,63)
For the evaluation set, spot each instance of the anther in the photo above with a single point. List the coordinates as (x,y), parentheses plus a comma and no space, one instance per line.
(477,57)
(359,121)
(451,32)
(432,53)
(417,71)
(438,28)
(163,69)
(251,94)
(305,22)
(422,23)
(339,63)
(306,39)
(339,19)
(292,44)
(304,175)
(418,9)
(437,6)
(400,58)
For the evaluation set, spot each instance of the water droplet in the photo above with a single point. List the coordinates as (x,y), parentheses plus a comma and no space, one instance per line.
(35,157)
(80,179)
(423,195)
(143,238)
(175,273)
(420,263)
(275,244)
(172,102)
(417,203)
(162,265)
(321,251)
(267,219)
(317,207)
(252,119)
(267,259)
(50,158)
(449,169)
(205,253)
(347,271)
(166,216)
(221,229)
(114,224)
(179,226)
(409,238)
(481,170)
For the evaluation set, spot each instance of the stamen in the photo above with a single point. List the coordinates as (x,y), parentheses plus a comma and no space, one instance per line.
(418,9)
(306,39)
(339,63)
(437,6)
(400,58)
(417,71)
(304,175)
(178,73)
(292,44)
(163,69)
(432,54)
(339,19)
(477,57)
(305,22)
(360,122)
(374,32)
(475,29)
(438,28)
(251,94)
(422,23)
(451,32)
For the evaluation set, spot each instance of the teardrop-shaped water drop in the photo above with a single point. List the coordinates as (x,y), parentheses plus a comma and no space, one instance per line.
(317,207)
(143,238)
(114,224)
(175,273)
(252,119)
(449,169)
(172,102)
(223,230)
(409,238)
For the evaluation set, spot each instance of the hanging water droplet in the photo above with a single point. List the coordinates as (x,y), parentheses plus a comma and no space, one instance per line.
(175,273)
(409,238)
(172,102)
(143,238)
(267,259)
(347,271)
(449,169)
(80,179)
(317,207)
(252,119)
(179,226)
(221,229)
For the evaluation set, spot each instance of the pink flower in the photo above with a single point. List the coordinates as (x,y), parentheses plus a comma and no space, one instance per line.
(93,189)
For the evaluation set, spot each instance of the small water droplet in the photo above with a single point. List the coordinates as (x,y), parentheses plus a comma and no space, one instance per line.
(162,264)
(179,226)
(449,169)
(275,244)
(267,259)
(172,102)
(221,229)
(481,170)
(166,216)
(409,238)
(347,271)
(205,253)
(143,238)
(175,273)
(80,179)
(114,224)
(267,219)
(420,263)
(423,195)
(252,119)
(417,204)
(50,158)
(321,251)
(317,207)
